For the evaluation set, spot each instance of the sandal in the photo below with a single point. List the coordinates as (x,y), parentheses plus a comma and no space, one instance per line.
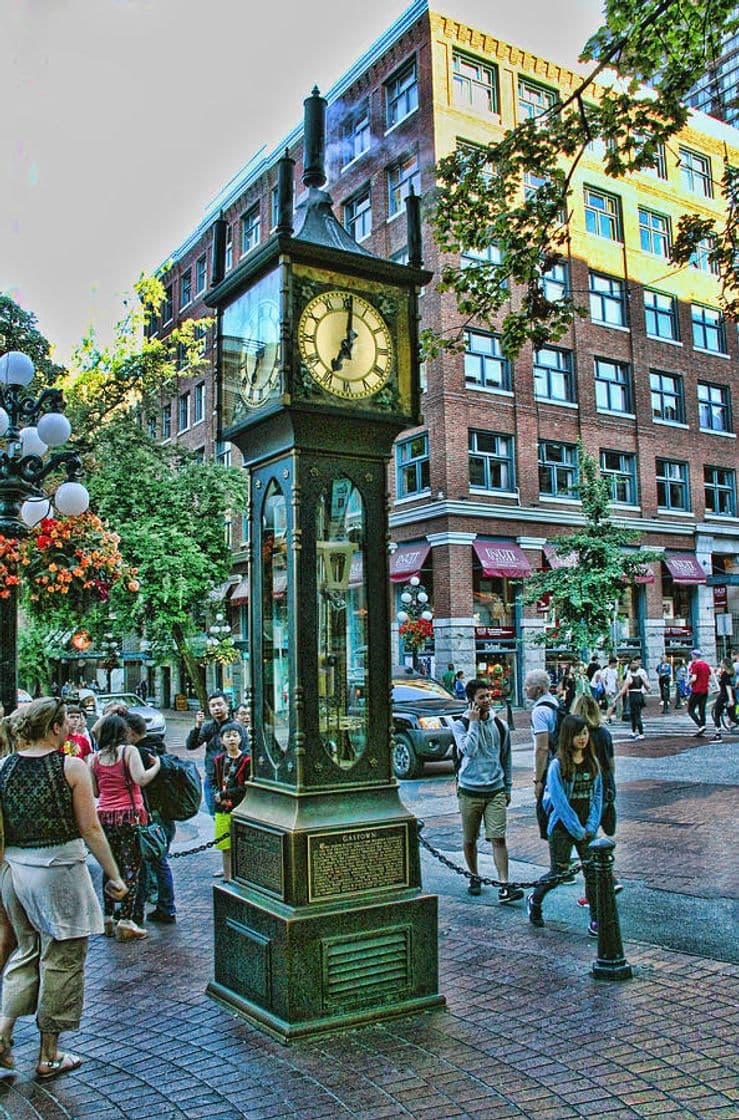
(65,1063)
(6,1058)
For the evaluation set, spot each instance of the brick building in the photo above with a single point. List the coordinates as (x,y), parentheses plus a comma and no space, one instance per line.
(480,492)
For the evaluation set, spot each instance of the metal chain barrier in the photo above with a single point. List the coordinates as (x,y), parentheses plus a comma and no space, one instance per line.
(565,877)
(200,847)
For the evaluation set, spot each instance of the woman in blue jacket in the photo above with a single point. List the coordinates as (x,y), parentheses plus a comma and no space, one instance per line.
(573,799)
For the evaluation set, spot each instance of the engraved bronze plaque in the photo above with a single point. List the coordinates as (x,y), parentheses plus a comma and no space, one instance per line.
(257,857)
(351,861)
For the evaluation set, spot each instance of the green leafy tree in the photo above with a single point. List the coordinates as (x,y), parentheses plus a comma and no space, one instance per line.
(660,44)
(19,331)
(586,593)
(168,509)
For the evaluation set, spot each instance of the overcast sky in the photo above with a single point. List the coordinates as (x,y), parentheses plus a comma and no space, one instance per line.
(122,119)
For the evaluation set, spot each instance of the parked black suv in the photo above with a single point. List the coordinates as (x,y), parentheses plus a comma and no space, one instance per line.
(423,714)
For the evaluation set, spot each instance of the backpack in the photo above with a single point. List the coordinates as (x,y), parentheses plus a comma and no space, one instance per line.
(457,754)
(559,714)
(176,791)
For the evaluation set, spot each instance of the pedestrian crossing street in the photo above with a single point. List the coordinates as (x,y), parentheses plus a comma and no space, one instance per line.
(673,724)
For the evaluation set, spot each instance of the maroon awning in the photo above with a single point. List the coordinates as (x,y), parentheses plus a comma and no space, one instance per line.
(501,559)
(684,568)
(240,593)
(407,561)
(645,575)
(556,560)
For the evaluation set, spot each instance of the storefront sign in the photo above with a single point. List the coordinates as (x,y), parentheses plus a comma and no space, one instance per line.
(679,632)
(407,561)
(685,569)
(501,559)
(720,599)
(482,632)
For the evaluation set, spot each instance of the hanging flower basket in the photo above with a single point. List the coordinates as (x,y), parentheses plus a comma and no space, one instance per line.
(416,632)
(9,560)
(75,561)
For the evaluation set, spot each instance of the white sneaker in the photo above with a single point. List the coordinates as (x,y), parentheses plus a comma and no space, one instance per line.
(129,931)
(634,735)
(640,736)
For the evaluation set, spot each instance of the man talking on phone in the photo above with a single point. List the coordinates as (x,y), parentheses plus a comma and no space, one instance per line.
(208,733)
(484,785)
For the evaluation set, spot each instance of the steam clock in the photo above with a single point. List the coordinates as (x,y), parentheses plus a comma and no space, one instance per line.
(325,923)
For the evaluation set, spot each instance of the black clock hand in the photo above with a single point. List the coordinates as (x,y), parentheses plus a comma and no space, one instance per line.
(345,349)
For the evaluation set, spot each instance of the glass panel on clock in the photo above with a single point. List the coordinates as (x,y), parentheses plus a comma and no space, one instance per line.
(251,350)
(341,584)
(275,729)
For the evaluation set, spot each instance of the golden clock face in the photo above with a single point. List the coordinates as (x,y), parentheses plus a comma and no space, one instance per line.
(259,361)
(345,344)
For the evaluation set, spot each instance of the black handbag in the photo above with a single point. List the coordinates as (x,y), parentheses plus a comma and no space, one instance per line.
(151,837)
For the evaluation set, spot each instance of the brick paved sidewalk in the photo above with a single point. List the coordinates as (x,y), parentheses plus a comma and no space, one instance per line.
(526,1033)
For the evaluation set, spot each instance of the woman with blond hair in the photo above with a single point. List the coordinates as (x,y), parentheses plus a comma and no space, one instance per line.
(49,818)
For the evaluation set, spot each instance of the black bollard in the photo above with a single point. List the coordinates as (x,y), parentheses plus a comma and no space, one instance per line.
(611,964)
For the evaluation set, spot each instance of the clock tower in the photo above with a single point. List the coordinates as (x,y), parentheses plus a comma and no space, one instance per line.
(325,924)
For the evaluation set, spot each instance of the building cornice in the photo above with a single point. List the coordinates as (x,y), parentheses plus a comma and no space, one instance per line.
(528,514)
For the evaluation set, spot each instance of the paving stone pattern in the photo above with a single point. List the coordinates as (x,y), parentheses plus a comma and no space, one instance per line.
(527,1032)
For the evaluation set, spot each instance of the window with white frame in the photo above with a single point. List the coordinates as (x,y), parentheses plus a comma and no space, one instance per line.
(659,168)
(229,253)
(199,402)
(413,468)
(555,284)
(654,232)
(558,470)
(168,312)
(358,215)
(355,134)
(618,468)
(400,178)
(250,229)
(484,363)
(612,386)
(708,329)
(492,254)
(401,94)
(201,274)
(660,311)
(607,300)
(532,183)
(720,491)
(166,421)
(667,396)
(491,461)
(152,427)
(553,378)
(695,173)
(714,407)
(534,100)
(185,288)
(602,214)
(703,257)
(183,412)
(672,485)
(475,84)
(274,207)
(223,453)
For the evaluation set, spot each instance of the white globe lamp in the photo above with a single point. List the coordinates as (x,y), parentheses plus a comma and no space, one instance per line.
(71,498)
(54,429)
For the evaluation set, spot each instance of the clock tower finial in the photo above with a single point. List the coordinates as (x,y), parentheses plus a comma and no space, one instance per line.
(314,139)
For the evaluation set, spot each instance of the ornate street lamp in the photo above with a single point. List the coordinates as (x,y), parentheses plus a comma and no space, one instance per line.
(414,610)
(29,427)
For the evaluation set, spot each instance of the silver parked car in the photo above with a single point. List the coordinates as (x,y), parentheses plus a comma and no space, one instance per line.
(93,705)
